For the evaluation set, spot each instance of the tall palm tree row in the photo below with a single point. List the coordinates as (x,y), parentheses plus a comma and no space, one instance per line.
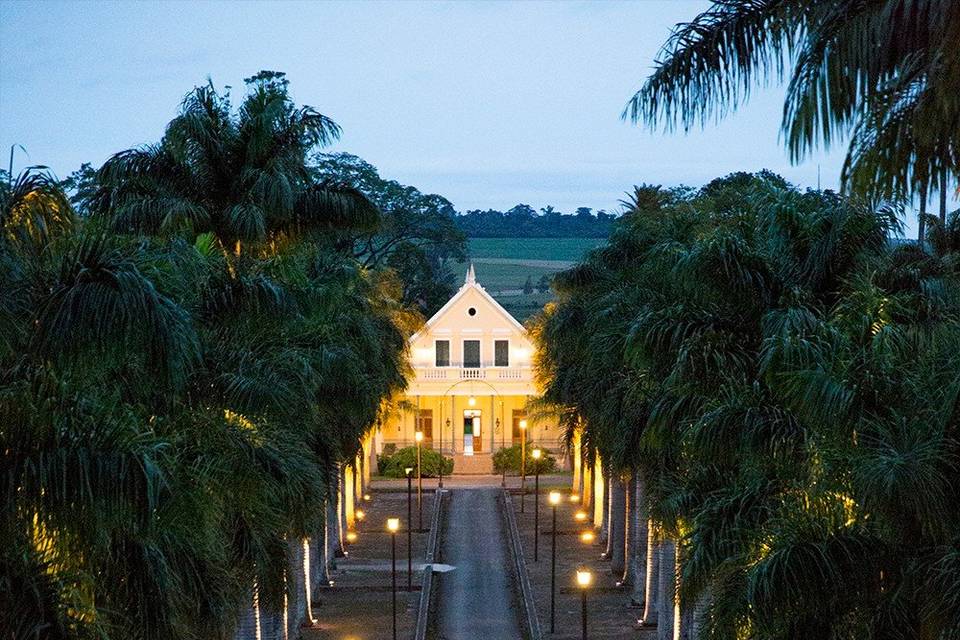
(882,73)
(182,372)
(777,384)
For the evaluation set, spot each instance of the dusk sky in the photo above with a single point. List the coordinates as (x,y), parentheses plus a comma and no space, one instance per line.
(488,104)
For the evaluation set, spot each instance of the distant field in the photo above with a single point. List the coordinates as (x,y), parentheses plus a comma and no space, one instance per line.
(522,307)
(503,265)
(566,249)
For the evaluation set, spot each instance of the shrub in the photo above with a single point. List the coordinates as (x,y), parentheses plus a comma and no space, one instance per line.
(508,459)
(384,458)
(392,466)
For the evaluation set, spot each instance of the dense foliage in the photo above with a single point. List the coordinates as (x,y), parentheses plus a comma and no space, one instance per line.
(507,459)
(181,371)
(418,236)
(523,221)
(394,464)
(883,73)
(786,381)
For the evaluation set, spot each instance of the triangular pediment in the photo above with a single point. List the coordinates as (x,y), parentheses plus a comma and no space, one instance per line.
(488,314)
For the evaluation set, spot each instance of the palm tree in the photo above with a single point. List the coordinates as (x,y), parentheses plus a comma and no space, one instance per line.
(884,72)
(174,406)
(241,176)
(775,351)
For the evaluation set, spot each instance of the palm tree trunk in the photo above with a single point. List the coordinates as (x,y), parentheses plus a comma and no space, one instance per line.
(943,197)
(575,458)
(349,495)
(367,460)
(333,506)
(651,594)
(318,571)
(699,617)
(599,495)
(636,575)
(586,495)
(921,233)
(330,538)
(685,630)
(341,509)
(582,485)
(668,585)
(618,525)
(629,528)
(605,513)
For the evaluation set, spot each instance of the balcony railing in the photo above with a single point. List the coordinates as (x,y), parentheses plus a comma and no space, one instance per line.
(454,374)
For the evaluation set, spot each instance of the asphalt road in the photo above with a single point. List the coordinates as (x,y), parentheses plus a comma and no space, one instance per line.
(476,600)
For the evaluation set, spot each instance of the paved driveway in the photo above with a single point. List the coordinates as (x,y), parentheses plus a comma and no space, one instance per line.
(476,600)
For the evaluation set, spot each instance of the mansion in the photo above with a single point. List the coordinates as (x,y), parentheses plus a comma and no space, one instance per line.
(473,377)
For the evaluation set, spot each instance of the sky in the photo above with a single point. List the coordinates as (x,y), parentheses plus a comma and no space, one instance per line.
(489,104)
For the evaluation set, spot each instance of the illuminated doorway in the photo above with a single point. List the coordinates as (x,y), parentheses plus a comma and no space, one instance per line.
(472,443)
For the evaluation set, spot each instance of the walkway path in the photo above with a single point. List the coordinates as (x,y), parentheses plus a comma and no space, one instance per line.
(476,600)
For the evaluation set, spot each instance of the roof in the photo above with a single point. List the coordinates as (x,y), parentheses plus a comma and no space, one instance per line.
(469,284)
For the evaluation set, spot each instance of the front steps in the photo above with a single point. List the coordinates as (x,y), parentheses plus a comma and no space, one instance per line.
(475,465)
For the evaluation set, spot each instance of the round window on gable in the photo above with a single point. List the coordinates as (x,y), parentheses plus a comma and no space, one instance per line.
(472,311)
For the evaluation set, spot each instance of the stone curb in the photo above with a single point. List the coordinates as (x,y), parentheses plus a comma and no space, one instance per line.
(426,584)
(530,620)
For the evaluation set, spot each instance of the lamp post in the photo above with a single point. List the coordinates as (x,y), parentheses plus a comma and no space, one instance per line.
(503,477)
(418,436)
(554,502)
(523,463)
(393,525)
(409,471)
(535,454)
(584,578)
(441,452)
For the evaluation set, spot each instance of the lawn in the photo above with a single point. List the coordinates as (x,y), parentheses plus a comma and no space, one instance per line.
(504,264)
(497,278)
(566,249)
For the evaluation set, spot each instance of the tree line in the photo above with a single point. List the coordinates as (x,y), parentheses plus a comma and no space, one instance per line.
(772,450)
(774,445)
(191,364)
(523,221)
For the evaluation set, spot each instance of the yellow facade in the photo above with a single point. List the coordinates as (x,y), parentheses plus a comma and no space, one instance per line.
(472,381)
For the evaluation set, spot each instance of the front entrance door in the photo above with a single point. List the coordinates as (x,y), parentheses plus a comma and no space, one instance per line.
(472,442)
